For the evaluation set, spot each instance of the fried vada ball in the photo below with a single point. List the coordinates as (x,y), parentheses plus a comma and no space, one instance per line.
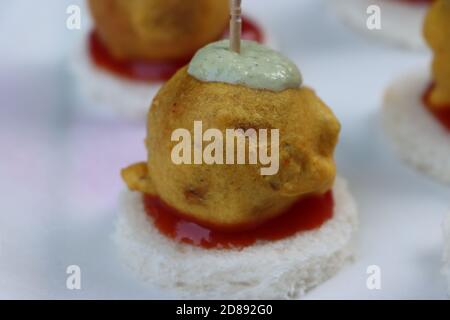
(158,29)
(233,196)
(437,33)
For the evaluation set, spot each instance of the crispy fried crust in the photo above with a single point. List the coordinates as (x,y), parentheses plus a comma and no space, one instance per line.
(437,33)
(238,194)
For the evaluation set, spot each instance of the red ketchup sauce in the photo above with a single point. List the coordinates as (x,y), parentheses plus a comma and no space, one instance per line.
(154,71)
(441,114)
(306,214)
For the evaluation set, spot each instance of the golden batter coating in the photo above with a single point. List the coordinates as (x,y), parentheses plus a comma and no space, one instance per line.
(236,195)
(437,33)
(158,29)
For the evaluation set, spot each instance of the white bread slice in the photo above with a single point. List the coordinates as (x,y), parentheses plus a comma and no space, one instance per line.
(401,23)
(417,136)
(283,269)
(106,95)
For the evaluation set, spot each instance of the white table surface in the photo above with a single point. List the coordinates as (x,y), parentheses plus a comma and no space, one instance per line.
(59,171)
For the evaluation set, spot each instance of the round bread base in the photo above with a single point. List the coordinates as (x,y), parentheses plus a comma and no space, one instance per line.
(417,136)
(283,269)
(107,95)
(401,23)
(446,269)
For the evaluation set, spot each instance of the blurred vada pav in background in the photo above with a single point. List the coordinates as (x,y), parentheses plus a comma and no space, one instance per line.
(416,109)
(136,45)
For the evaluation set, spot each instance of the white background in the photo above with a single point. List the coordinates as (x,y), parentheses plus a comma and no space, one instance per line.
(59,171)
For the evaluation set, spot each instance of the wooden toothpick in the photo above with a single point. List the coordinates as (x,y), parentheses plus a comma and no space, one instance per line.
(235,25)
